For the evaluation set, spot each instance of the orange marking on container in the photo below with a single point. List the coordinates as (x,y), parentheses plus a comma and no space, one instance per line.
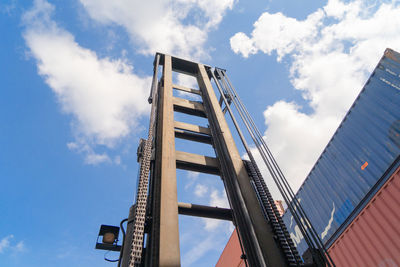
(364,165)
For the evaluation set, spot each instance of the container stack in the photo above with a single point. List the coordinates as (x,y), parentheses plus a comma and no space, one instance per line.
(352,194)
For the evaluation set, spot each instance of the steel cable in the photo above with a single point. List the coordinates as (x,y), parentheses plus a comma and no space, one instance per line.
(301,218)
(292,253)
(276,173)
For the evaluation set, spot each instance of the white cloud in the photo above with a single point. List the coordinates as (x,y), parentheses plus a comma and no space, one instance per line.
(6,244)
(189,82)
(241,43)
(276,32)
(177,27)
(91,157)
(192,177)
(197,251)
(186,80)
(217,199)
(332,53)
(214,10)
(200,190)
(8,8)
(20,246)
(117,160)
(95,159)
(104,97)
(301,138)
(211,242)
(204,243)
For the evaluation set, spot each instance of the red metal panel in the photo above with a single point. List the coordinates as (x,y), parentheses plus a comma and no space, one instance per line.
(230,257)
(373,238)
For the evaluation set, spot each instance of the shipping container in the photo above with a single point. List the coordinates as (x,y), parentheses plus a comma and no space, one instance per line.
(373,237)
(361,156)
(231,256)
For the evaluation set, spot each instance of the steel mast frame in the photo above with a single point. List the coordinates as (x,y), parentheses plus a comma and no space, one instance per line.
(260,244)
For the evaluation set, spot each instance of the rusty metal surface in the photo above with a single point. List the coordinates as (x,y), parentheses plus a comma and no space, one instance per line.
(373,238)
(393,55)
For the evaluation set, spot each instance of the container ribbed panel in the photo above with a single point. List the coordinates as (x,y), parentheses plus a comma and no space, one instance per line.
(356,160)
(373,238)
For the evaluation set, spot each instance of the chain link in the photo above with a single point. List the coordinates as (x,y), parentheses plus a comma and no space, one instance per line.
(141,197)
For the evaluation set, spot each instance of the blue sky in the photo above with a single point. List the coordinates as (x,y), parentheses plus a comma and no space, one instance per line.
(75,78)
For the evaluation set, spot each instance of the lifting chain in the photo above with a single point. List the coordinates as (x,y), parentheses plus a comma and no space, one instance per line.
(141,197)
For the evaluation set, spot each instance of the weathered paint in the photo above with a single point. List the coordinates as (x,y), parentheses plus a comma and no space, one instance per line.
(256,232)
(373,237)
(357,160)
(169,251)
(230,257)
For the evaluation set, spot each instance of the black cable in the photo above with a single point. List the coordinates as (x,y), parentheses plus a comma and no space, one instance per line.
(254,253)
(293,204)
(245,117)
(292,199)
(121,224)
(243,257)
(109,259)
(224,93)
(297,210)
(270,162)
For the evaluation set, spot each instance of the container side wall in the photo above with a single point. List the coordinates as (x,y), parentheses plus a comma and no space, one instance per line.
(358,158)
(373,238)
(230,257)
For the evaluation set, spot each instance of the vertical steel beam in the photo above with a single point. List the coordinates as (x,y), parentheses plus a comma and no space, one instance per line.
(169,253)
(256,233)
(162,248)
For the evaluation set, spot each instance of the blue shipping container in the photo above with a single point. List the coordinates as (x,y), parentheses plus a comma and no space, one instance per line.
(357,160)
